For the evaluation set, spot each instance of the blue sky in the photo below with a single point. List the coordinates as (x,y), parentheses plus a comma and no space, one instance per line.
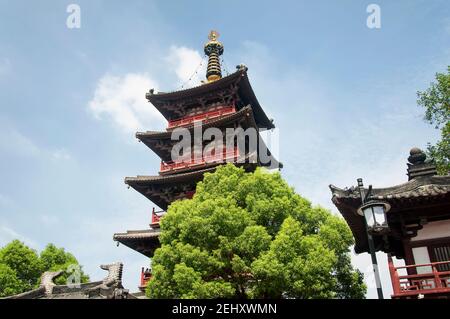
(342,96)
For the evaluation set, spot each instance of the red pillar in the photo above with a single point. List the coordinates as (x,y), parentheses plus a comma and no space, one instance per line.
(394,276)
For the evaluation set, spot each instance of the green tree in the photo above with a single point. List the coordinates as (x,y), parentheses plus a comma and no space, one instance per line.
(54,259)
(24,261)
(9,284)
(249,235)
(21,267)
(436,101)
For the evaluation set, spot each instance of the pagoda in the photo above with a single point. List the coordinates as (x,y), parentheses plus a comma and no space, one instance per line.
(224,104)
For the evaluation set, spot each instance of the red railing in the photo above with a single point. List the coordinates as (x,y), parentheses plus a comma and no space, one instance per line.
(435,281)
(220,157)
(202,117)
(156,217)
(189,194)
(146,275)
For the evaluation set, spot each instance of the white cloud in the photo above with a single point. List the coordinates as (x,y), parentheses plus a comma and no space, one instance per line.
(122,99)
(61,154)
(186,64)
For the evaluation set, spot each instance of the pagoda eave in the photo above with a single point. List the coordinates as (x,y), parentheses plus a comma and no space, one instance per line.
(161,141)
(236,83)
(162,190)
(144,241)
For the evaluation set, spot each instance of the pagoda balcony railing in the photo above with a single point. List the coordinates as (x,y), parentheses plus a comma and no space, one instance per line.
(156,217)
(220,157)
(146,275)
(429,279)
(201,117)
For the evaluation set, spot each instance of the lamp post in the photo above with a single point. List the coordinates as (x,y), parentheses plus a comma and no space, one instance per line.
(374,213)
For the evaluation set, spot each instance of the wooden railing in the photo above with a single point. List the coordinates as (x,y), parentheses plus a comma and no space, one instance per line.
(435,280)
(201,117)
(192,162)
(146,275)
(156,217)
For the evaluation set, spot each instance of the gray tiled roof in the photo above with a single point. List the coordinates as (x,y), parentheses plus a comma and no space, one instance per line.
(137,234)
(108,288)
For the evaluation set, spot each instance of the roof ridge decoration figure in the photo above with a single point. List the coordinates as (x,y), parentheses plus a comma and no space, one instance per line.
(419,165)
(111,285)
(47,281)
(108,288)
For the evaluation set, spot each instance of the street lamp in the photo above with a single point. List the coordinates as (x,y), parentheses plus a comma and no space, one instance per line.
(374,213)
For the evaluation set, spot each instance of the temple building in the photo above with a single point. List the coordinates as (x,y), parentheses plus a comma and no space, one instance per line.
(225,105)
(415,228)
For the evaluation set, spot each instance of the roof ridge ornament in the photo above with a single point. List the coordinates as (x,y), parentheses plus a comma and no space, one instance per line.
(416,156)
(47,281)
(418,164)
(241,67)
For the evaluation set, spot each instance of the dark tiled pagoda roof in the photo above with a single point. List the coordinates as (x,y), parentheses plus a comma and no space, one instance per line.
(153,187)
(144,241)
(425,196)
(239,79)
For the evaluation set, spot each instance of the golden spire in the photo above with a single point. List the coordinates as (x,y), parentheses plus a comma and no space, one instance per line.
(213,49)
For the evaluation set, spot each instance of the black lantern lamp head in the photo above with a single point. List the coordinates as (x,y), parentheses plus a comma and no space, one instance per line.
(374,213)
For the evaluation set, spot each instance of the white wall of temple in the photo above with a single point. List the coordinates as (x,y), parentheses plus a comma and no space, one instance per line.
(438,229)
(421,257)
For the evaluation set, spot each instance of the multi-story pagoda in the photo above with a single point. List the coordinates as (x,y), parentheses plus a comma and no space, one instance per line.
(222,103)
(416,228)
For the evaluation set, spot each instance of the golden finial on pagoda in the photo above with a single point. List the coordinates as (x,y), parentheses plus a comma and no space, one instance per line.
(213,49)
(213,35)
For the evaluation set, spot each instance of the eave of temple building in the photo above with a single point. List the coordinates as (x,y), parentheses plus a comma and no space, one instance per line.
(232,89)
(422,199)
(144,241)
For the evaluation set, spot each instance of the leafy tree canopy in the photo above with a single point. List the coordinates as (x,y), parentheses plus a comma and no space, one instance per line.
(54,259)
(436,101)
(21,267)
(24,261)
(9,283)
(249,235)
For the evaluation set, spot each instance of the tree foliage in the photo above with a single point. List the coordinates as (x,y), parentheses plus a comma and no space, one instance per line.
(9,283)
(54,259)
(24,261)
(436,101)
(249,235)
(21,267)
